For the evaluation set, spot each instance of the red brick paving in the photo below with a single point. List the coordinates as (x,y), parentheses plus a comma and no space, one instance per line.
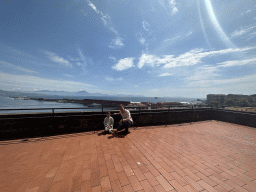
(201,156)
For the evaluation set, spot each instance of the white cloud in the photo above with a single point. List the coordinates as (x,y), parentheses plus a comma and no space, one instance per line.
(237,62)
(235,83)
(153,90)
(83,61)
(14,67)
(167,43)
(241,31)
(114,79)
(165,74)
(251,36)
(189,33)
(27,82)
(106,20)
(142,41)
(174,10)
(55,58)
(145,25)
(79,64)
(73,58)
(112,58)
(209,77)
(169,5)
(116,43)
(172,39)
(113,30)
(161,2)
(104,17)
(123,64)
(238,33)
(82,57)
(172,2)
(195,56)
(248,11)
(150,60)
(93,7)
(67,75)
(190,58)
(200,74)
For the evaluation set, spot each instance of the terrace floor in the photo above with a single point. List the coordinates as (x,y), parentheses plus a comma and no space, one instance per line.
(201,156)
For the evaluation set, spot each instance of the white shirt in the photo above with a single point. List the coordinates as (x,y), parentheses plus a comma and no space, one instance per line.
(108,121)
(126,115)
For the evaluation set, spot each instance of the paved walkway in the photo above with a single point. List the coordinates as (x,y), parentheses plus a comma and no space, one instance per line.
(202,156)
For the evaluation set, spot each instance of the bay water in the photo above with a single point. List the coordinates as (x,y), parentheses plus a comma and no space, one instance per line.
(11,103)
(32,105)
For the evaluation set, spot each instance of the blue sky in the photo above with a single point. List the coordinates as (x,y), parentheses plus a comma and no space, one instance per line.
(169,48)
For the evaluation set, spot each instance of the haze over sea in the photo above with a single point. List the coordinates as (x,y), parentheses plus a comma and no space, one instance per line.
(11,103)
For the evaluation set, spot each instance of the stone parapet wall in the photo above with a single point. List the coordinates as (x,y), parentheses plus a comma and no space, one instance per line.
(45,124)
(236,117)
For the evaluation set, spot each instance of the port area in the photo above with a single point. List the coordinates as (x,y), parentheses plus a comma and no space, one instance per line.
(97,103)
(199,156)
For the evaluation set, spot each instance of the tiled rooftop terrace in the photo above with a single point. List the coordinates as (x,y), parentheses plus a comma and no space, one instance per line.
(201,156)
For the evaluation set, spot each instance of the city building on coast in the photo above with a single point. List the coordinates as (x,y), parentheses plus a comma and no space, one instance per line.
(158,105)
(221,98)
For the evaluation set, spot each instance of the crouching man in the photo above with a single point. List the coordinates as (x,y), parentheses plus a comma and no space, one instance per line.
(126,120)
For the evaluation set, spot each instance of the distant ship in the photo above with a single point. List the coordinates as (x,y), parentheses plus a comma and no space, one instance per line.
(155,97)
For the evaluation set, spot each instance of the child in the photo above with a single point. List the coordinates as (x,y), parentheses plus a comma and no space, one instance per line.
(108,123)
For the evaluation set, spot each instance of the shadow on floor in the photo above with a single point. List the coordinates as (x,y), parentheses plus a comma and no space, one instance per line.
(103,133)
(36,139)
(120,134)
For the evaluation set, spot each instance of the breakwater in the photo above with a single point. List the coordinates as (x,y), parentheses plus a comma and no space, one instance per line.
(105,103)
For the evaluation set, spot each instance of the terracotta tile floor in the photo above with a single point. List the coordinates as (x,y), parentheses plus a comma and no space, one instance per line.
(201,156)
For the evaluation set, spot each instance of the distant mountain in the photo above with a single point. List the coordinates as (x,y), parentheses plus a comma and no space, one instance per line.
(67,93)
(84,94)
(80,93)
(43,93)
(62,93)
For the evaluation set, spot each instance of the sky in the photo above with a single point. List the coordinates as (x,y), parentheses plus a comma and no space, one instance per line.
(154,48)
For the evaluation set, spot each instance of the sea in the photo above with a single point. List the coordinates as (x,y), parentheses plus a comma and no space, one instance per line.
(18,106)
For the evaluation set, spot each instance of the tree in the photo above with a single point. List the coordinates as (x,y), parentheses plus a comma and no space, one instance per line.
(230,102)
(238,102)
(215,104)
(243,103)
